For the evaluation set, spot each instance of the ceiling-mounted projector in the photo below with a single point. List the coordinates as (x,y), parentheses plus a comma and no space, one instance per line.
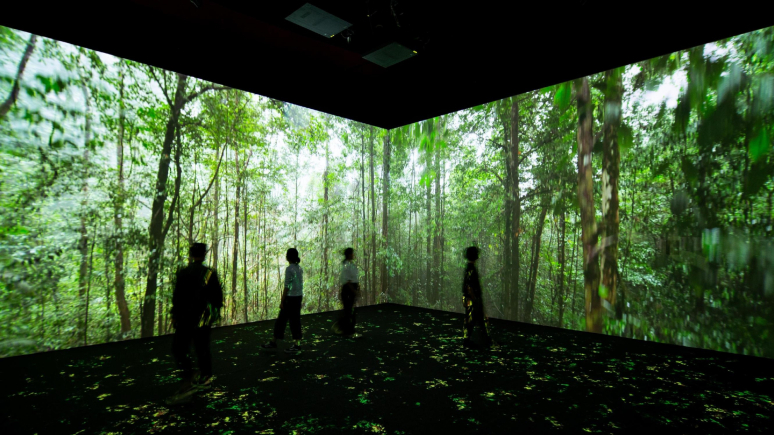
(318,21)
(390,55)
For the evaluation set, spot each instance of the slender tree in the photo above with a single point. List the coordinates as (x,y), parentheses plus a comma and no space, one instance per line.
(385,202)
(589,233)
(611,158)
(159,226)
(6,105)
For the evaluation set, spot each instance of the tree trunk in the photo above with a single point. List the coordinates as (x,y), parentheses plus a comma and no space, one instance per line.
(429,293)
(586,200)
(265,265)
(235,248)
(363,209)
(515,199)
(325,231)
(562,247)
(11,100)
(120,198)
(216,221)
(83,243)
(415,251)
(108,314)
(573,269)
(509,296)
(611,159)
(195,204)
(156,227)
(442,243)
(385,203)
(244,250)
(437,227)
(374,291)
(295,203)
(160,299)
(88,292)
(535,264)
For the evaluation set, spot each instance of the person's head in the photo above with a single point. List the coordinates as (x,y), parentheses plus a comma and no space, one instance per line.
(349,254)
(471,254)
(292,256)
(197,251)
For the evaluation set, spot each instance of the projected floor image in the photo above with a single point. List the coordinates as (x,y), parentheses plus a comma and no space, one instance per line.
(406,374)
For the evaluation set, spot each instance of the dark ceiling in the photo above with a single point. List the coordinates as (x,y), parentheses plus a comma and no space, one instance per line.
(469,53)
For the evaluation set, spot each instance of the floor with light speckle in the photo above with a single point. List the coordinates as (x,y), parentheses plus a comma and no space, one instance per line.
(407,374)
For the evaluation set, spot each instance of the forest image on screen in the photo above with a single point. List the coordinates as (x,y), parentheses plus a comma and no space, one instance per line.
(635,202)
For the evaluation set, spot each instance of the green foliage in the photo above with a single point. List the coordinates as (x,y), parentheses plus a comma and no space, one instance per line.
(760,144)
(625,138)
(563,95)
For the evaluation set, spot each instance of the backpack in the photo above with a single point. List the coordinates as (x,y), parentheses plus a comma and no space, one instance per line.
(210,314)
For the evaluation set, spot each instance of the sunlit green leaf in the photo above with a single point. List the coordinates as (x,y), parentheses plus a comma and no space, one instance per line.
(563,95)
(759,146)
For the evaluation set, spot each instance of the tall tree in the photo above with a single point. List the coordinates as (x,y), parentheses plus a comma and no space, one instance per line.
(235,247)
(589,233)
(429,288)
(118,209)
(438,221)
(374,290)
(561,260)
(159,226)
(533,271)
(513,199)
(83,243)
(5,107)
(611,158)
(326,182)
(385,202)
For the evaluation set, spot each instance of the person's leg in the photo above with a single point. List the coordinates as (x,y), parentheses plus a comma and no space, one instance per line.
(355,293)
(479,319)
(181,343)
(294,316)
(202,344)
(467,328)
(348,299)
(338,326)
(281,322)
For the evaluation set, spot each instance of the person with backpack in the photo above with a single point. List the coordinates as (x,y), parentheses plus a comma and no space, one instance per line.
(290,304)
(196,303)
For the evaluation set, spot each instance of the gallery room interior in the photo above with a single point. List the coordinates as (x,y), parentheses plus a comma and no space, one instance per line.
(472,218)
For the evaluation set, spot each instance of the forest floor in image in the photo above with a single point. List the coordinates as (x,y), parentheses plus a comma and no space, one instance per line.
(407,374)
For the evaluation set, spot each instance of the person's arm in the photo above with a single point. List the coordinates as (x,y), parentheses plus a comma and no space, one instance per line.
(215,290)
(469,284)
(215,294)
(476,283)
(288,282)
(343,275)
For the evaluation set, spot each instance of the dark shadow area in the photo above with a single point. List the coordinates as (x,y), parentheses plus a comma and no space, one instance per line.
(407,374)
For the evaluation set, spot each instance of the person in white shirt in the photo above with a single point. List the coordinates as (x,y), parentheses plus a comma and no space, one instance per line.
(350,290)
(290,304)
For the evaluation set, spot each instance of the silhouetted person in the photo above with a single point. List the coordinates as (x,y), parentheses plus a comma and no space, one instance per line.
(350,289)
(196,303)
(290,304)
(472,300)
